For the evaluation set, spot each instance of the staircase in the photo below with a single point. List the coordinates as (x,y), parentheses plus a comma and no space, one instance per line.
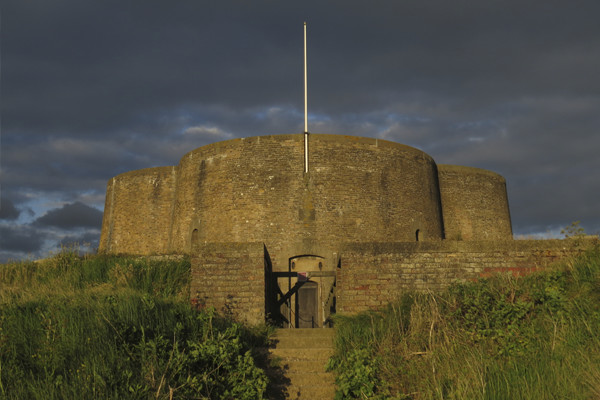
(302,355)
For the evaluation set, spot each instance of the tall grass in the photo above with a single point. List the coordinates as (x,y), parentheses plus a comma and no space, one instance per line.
(535,337)
(117,327)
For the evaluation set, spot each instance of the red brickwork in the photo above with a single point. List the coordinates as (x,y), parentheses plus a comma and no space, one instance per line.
(373,274)
(230,276)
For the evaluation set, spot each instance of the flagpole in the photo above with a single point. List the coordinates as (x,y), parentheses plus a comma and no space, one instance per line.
(305,107)
(305,85)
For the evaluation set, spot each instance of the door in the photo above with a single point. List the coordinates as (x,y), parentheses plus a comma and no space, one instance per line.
(307,306)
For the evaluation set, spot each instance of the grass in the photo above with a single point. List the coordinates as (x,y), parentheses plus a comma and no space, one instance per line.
(117,327)
(535,337)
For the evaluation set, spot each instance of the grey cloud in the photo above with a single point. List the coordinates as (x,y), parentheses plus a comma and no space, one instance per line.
(96,89)
(8,211)
(360,62)
(20,239)
(67,164)
(75,215)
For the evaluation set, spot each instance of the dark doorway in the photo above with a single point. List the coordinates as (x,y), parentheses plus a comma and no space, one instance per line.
(307,306)
(309,299)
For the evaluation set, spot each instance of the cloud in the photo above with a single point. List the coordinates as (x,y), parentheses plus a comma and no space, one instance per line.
(213,132)
(8,210)
(20,239)
(75,215)
(89,93)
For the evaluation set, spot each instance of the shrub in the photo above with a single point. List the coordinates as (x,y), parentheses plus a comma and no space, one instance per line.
(117,327)
(498,338)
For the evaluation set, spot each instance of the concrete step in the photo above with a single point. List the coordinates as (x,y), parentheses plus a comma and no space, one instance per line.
(305,331)
(291,354)
(293,392)
(302,355)
(305,366)
(307,378)
(322,338)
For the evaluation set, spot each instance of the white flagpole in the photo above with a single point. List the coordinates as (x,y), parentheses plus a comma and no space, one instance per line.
(305,85)
(305,107)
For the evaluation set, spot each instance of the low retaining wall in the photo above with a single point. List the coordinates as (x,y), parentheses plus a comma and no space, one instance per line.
(231,278)
(373,274)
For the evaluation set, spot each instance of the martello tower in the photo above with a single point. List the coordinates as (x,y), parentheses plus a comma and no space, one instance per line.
(292,228)
(259,190)
(256,189)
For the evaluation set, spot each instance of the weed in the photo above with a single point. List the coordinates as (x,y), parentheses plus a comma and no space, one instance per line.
(498,338)
(76,326)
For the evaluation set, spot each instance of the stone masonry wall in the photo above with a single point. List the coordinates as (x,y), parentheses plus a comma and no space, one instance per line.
(374,274)
(255,189)
(474,204)
(230,277)
(241,190)
(138,212)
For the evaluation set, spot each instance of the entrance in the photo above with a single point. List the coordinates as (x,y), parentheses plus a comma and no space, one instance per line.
(307,306)
(303,296)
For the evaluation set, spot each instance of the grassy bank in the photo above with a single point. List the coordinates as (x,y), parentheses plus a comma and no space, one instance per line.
(114,327)
(536,337)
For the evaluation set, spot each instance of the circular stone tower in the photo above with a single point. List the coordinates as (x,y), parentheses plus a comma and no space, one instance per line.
(475,204)
(256,189)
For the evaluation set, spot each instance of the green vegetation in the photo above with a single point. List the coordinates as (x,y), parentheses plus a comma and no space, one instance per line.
(573,231)
(536,337)
(104,327)
(117,327)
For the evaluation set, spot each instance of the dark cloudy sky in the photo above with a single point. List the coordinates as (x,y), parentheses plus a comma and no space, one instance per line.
(91,89)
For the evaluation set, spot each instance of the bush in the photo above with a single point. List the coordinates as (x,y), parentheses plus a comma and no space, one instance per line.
(498,338)
(114,327)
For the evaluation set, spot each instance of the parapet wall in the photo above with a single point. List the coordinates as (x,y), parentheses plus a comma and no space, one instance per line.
(231,276)
(255,189)
(374,274)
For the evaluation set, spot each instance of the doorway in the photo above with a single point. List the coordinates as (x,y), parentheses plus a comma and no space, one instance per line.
(307,306)
(303,296)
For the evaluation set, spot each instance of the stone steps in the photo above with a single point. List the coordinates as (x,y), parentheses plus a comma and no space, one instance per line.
(303,354)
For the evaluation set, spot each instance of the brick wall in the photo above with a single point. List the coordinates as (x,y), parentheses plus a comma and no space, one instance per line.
(474,204)
(138,212)
(255,189)
(373,274)
(230,278)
